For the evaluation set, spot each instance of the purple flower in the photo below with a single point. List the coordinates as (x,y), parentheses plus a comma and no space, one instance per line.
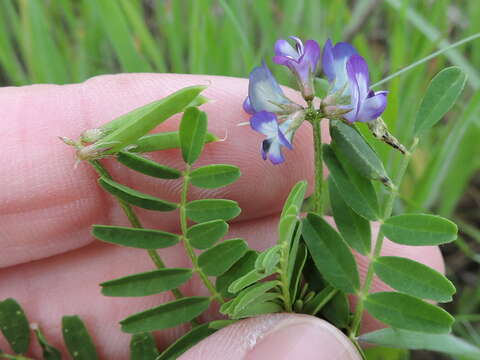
(366,104)
(301,60)
(334,61)
(348,75)
(264,93)
(277,135)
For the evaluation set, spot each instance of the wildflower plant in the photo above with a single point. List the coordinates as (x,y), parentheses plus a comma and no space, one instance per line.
(311,269)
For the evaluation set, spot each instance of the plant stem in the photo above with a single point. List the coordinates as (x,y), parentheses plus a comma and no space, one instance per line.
(14,357)
(387,211)
(283,271)
(135,222)
(189,249)
(318,163)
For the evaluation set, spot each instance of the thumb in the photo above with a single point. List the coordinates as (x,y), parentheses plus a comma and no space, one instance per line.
(276,336)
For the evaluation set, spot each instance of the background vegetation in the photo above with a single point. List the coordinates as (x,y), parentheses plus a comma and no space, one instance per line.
(62,41)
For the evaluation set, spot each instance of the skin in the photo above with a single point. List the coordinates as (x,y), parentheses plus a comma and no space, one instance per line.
(51,264)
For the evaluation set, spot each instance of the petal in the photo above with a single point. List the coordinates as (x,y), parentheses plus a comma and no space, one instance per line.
(282,139)
(283,48)
(247,107)
(266,147)
(266,123)
(343,50)
(341,53)
(298,44)
(264,91)
(281,60)
(373,107)
(311,54)
(275,153)
(327,61)
(357,69)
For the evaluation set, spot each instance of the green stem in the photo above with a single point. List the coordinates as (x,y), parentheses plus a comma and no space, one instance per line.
(188,247)
(284,283)
(317,144)
(135,222)
(387,211)
(14,357)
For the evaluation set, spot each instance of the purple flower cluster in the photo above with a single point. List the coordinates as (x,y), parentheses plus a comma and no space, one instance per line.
(277,117)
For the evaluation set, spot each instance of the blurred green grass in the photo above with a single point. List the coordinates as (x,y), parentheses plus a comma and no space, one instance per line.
(62,41)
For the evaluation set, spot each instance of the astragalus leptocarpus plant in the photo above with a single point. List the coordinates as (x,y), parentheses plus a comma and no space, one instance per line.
(311,269)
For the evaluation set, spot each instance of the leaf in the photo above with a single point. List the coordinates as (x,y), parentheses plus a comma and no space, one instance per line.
(245,264)
(214,176)
(286,227)
(192,338)
(166,315)
(407,312)
(193,129)
(414,278)
(212,209)
(162,141)
(147,167)
(321,298)
(246,280)
(361,156)
(146,283)
(441,95)
(355,229)
(134,237)
(331,255)
(337,310)
(218,259)
(143,347)
(128,128)
(295,197)
(247,297)
(48,351)
(419,229)
(295,274)
(14,325)
(445,343)
(268,259)
(77,339)
(358,193)
(204,235)
(135,197)
(260,308)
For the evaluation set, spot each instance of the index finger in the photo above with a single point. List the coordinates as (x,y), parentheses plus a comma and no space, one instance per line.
(43,195)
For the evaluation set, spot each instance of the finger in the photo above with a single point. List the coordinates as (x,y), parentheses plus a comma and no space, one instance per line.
(65,284)
(45,198)
(276,336)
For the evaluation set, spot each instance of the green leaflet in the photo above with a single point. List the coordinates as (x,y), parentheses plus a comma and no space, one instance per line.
(212,209)
(146,283)
(143,347)
(162,141)
(414,278)
(357,191)
(355,229)
(166,315)
(147,167)
(77,339)
(218,259)
(315,304)
(441,95)
(246,280)
(135,197)
(128,128)
(445,343)
(14,325)
(419,229)
(331,255)
(134,237)
(48,351)
(244,265)
(295,272)
(259,308)
(295,197)
(204,235)
(407,312)
(214,176)
(361,156)
(267,260)
(193,129)
(337,310)
(192,338)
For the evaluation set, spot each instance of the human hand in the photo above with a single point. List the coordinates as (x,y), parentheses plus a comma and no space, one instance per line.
(51,264)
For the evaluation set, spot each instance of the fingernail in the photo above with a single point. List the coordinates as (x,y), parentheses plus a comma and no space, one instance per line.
(309,339)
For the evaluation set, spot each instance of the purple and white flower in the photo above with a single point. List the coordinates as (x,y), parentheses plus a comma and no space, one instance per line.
(302,60)
(277,135)
(348,75)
